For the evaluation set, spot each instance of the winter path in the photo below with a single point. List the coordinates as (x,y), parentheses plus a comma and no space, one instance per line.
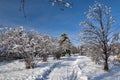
(83,68)
(96,72)
(68,68)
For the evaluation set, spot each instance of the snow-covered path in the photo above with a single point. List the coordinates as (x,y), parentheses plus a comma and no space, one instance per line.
(63,70)
(83,68)
(68,68)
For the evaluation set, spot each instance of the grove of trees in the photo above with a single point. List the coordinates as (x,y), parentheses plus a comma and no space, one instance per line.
(18,43)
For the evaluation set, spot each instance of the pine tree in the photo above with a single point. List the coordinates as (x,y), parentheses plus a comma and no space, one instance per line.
(65,43)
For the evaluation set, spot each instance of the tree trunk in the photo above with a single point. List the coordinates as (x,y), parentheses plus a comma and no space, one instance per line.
(44,57)
(29,63)
(106,67)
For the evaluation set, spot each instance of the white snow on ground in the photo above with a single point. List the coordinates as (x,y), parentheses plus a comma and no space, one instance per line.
(68,68)
(16,70)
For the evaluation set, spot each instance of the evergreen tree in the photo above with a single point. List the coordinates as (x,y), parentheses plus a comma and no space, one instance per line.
(65,43)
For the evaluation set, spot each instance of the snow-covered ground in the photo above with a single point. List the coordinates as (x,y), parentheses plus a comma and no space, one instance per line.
(68,68)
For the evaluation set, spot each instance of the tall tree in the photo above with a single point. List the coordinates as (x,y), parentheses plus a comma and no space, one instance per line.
(98,29)
(65,43)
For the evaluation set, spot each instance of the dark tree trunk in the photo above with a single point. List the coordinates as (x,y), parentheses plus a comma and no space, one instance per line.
(106,67)
(44,57)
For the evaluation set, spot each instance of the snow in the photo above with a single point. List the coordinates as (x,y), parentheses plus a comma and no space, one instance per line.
(16,70)
(68,68)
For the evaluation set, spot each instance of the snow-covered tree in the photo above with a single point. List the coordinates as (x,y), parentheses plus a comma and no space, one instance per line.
(50,45)
(94,52)
(61,3)
(98,29)
(55,48)
(116,38)
(115,46)
(65,43)
(2,38)
(82,49)
(74,49)
(18,43)
(45,46)
(54,45)
(9,41)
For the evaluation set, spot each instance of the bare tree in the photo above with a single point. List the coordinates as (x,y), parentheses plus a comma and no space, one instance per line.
(98,29)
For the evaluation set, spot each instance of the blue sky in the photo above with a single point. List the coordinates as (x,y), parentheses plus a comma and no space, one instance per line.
(47,19)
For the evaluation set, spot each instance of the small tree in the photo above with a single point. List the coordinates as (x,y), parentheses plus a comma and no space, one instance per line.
(74,49)
(19,43)
(54,48)
(98,29)
(24,44)
(45,46)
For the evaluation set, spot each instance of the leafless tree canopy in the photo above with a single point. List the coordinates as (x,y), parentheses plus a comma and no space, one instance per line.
(61,3)
(97,29)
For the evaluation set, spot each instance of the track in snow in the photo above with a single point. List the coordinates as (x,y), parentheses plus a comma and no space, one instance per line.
(66,70)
